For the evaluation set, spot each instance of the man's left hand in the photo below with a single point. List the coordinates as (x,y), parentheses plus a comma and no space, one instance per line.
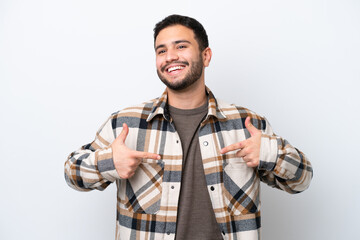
(249,149)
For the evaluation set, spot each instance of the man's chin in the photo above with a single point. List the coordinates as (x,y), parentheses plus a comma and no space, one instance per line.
(184,83)
(179,85)
(176,87)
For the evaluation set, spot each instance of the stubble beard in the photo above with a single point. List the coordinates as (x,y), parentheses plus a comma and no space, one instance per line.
(193,76)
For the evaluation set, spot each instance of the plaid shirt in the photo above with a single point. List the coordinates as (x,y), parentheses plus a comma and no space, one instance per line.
(147,203)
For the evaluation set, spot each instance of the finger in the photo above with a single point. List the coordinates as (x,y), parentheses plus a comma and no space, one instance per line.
(146,155)
(127,175)
(241,153)
(252,130)
(247,158)
(252,164)
(232,147)
(134,162)
(251,160)
(124,133)
(131,174)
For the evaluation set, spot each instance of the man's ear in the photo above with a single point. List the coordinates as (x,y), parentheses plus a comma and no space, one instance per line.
(206,54)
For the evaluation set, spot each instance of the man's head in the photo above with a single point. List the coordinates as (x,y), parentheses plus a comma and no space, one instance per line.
(191,23)
(181,54)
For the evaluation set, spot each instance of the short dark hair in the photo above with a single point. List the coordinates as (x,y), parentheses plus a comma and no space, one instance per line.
(199,31)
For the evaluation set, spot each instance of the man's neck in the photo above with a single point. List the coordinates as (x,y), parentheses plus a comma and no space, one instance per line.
(192,97)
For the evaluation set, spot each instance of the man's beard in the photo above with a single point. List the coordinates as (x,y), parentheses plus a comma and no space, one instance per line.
(193,75)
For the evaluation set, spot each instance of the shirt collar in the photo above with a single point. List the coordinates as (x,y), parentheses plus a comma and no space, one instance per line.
(161,109)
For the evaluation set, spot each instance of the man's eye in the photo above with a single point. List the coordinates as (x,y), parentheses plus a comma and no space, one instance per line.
(181,46)
(161,51)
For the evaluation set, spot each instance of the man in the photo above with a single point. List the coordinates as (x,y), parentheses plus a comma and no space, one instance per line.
(187,165)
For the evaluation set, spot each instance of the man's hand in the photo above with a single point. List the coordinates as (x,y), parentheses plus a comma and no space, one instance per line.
(125,159)
(249,149)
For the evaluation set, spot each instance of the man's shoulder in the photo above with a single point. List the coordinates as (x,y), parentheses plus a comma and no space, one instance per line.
(236,115)
(141,110)
(232,111)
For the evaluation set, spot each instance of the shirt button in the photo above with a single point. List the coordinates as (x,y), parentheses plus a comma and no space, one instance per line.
(172,187)
(168,233)
(212,188)
(177,141)
(205,143)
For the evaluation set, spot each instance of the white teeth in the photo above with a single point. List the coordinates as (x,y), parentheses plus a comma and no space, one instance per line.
(175,68)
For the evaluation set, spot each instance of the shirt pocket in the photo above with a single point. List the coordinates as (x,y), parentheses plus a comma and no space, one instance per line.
(241,187)
(143,190)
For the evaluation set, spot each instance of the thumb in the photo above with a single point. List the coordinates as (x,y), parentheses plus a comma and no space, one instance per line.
(252,130)
(124,133)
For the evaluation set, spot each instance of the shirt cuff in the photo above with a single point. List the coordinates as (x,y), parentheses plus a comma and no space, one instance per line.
(268,153)
(105,164)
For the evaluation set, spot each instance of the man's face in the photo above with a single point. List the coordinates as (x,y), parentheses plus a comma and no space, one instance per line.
(179,62)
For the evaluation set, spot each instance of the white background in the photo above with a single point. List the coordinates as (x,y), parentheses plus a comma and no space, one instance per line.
(65,66)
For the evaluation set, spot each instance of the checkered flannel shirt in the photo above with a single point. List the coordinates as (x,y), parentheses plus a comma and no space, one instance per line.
(147,203)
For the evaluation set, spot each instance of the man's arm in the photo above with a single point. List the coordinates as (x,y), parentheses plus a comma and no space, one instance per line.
(278,163)
(92,167)
(282,165)
(98,164)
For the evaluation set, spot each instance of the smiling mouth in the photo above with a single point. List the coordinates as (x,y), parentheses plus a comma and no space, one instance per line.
(174,68)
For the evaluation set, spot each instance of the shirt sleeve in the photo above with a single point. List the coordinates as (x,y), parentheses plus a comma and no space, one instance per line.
(282,165)
(92,167)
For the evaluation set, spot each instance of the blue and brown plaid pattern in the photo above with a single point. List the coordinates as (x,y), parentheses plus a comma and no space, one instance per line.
(147,202)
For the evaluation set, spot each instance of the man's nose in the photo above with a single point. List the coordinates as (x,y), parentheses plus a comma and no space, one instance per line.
(171,55)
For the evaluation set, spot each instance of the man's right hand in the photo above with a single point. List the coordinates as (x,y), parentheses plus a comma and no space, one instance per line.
(126,160)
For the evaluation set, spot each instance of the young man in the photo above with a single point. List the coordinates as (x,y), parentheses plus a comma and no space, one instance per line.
(187,165)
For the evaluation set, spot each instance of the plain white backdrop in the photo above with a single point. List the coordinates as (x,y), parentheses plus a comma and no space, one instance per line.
(65,66)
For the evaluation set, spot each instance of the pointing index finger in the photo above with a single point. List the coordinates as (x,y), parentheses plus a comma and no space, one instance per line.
(232,147)
(147,155)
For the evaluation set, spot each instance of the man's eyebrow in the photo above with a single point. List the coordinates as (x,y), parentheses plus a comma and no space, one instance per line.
(175,42)
(181,41)
(159,46)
